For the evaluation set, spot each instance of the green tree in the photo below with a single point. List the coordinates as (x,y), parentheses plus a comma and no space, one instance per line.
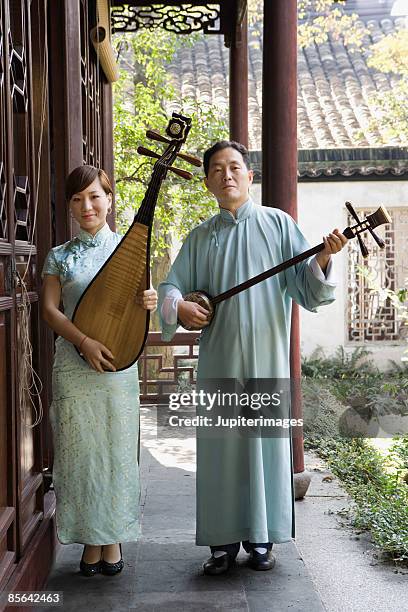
(390,55)
(317,20)
(143,99)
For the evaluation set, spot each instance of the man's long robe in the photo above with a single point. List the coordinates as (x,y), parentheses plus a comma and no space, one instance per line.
(244,485)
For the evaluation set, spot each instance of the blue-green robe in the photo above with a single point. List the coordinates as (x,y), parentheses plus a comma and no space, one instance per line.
(244,485)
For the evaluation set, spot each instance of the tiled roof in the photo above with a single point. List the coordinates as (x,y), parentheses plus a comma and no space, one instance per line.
(367,9)
(382,163)
(334,87)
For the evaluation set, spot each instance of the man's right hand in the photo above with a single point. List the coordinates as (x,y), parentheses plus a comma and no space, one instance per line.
(192,314)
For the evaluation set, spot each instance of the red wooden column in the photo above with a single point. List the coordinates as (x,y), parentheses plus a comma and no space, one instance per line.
(238,86)
(279,150)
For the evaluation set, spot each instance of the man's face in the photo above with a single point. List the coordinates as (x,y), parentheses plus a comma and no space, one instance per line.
(229,178)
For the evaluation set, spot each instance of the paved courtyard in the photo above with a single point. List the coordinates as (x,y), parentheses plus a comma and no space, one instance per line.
(327,569)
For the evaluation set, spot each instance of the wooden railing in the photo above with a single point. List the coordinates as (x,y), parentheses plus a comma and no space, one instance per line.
(157,378)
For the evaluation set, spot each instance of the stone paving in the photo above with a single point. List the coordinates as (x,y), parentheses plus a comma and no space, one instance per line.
(163,570)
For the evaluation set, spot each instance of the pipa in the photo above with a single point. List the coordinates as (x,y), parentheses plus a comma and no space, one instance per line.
(107,310)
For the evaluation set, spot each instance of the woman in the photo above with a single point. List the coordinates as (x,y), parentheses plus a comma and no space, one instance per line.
(95,410)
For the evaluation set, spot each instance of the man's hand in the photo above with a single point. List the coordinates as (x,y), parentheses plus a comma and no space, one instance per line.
(192,314)
(333,243)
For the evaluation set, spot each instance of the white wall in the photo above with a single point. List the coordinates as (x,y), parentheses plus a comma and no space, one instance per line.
(321,209)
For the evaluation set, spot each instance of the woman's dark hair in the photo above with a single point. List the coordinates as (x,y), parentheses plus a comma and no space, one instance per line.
(81,177)
(225,144)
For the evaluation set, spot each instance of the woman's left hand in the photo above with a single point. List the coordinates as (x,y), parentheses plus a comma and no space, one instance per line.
(148,299)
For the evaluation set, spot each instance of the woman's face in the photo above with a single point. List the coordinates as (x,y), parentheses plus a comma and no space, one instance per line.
(90,207)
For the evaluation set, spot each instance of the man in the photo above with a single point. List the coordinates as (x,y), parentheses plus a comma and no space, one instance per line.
(244,484)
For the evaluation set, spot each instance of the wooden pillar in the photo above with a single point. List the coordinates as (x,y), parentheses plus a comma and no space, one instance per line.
(43,237)
(279,150)
(107,143)
(238,86)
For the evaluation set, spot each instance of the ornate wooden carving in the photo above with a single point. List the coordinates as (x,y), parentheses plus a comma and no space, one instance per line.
(21,482)
(91,89)
(3,130)
(158,380)
(371,318)
(180,17)
(173,17)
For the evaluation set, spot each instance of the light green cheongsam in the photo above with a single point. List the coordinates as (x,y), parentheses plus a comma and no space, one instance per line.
(94,417)
(244,484)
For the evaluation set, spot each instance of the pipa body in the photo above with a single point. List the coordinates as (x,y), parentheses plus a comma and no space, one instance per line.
(107,310)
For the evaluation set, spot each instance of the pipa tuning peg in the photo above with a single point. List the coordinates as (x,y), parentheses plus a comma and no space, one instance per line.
(183,173)
(153,135)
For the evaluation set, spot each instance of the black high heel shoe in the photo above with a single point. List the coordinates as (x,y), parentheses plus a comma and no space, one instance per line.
(90,569)
(110,569)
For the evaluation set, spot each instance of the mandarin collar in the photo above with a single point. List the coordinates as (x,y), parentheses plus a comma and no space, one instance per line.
(243,212)
(97,239)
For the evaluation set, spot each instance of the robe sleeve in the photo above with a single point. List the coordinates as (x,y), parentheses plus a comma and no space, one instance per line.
(179,277)
(302,284)
(50,265)
(318,272)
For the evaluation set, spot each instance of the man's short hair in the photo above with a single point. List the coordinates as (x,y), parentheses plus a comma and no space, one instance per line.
(225,144)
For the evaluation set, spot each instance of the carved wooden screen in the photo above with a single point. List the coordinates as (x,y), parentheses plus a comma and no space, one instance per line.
(21,500)
(371,318)
(91,88)
(7,318)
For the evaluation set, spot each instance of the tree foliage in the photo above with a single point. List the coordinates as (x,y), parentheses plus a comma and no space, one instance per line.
(390,55)
(317,20)
(142,99)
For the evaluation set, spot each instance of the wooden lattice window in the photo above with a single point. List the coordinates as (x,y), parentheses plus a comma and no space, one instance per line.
(370,318)
(91,84)
(3,180)
(19,88)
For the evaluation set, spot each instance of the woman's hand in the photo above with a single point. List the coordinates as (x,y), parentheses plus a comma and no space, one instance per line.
(97,355)
(147,299)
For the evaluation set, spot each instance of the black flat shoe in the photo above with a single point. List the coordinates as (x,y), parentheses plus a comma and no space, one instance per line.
(89,569)
(110,569)
(218,565)
(261,562)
